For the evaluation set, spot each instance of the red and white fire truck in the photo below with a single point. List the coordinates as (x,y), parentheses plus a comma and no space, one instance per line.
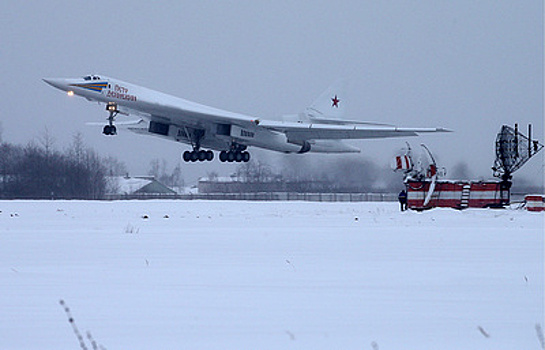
(426,190)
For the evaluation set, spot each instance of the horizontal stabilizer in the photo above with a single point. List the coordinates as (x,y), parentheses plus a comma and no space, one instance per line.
(346,122)
(125,123)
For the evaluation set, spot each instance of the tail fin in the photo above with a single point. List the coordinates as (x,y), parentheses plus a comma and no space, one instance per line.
(329,105)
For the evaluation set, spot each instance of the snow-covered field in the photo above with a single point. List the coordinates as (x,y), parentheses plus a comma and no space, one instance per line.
(276,275)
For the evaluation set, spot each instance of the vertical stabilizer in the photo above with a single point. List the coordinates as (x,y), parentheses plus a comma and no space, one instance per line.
(330,104)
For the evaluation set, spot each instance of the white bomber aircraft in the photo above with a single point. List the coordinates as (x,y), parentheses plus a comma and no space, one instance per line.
(317,129)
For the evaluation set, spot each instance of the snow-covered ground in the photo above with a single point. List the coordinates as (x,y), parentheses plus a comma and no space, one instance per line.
(277,275)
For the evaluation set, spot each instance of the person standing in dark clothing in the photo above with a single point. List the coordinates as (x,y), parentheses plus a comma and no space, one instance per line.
(402,197)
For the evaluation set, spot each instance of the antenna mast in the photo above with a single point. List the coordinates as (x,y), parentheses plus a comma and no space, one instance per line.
(513,150)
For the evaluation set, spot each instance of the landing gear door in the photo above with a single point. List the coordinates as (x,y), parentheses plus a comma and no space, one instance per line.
(169,130)
(241,133)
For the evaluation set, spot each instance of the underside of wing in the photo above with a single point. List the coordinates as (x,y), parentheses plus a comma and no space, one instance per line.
(178,111)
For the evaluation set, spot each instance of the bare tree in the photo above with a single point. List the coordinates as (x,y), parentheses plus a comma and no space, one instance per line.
(114,167)
(176,178)
(38,170)
(159,170)
(9,156)
(157,167)
(47,141)
(254,171)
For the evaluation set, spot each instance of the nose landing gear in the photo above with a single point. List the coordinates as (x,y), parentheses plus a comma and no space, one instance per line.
(110,129)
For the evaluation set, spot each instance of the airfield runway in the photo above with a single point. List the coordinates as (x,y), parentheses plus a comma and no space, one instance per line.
(269,275)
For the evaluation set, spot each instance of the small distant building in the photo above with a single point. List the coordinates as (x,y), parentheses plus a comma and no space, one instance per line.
(137,186)
(234,184)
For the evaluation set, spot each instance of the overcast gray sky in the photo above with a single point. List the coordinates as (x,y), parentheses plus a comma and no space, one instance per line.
(470,66)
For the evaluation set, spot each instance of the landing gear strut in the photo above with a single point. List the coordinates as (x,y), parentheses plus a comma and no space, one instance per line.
(110,129)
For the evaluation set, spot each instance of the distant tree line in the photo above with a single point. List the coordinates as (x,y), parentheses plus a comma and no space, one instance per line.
(339,174)
(348,174)
(39,171)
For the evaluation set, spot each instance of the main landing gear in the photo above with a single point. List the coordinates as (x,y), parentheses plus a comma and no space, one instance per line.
(110,129)
(195,136)
(225,156)
(234,156)
(200,156)
(237,153)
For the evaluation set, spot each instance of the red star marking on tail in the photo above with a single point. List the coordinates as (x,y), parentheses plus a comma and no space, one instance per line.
(335,101)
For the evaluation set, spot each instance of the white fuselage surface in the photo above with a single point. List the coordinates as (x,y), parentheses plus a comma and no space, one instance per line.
(317,129)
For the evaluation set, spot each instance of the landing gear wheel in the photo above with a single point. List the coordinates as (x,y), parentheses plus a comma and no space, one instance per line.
(209,155)
(238,157)
(230,157)
(194,156)
(187,156)
(109,130)
(223,156)
(245,157)
(201,155)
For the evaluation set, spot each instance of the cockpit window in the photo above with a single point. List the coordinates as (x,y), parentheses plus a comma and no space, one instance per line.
(91,77)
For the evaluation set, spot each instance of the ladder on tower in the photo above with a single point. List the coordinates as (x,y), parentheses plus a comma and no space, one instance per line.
(466,192)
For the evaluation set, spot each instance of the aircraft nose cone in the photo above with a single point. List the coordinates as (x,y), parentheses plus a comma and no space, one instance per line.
(57,83)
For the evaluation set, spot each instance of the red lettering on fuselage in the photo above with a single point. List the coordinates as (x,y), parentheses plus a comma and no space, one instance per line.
(121,93)
(120,89)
